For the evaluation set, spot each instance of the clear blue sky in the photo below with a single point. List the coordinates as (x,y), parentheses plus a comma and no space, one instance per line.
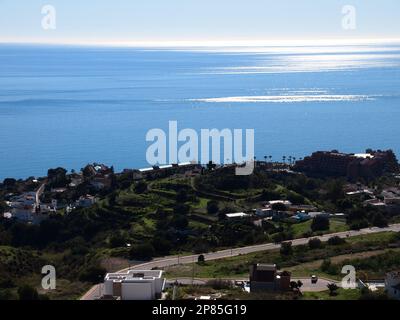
(197,20)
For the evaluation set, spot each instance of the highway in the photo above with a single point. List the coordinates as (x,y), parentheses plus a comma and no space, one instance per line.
(174,260)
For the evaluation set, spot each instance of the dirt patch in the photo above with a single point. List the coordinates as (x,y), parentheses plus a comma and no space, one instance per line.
(114,264)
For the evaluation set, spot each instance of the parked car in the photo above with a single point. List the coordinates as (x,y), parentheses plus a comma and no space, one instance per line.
(314,279)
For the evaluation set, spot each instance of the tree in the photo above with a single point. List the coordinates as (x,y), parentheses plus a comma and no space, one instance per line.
(94,274)
(286,248)
(181,209)
(211,166)
(325,265)
(212,207)
(161,245)
(179,222)
(315,243)
(117,240)
(9,182)
(201,259)
(293,285)
(141,187)
(57,177)
(299,284)
(336,241)
(379,220)
(332,288)
(320,223)
(143,251)
(27,292)
(181,196)
(335,191)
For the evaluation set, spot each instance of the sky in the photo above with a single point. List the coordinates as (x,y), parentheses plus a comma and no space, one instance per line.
(196,21)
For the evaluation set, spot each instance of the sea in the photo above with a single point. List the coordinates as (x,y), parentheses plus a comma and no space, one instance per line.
(66,106)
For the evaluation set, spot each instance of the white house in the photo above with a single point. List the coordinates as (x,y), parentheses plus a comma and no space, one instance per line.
(319,214)
(135,285)
(237,215)
(284,202)
(392,285)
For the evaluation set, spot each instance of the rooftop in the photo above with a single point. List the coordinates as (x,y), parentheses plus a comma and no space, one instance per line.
(237,215)
(266,267)
(134,275)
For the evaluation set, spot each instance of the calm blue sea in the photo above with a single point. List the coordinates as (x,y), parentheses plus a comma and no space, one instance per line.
(68,106)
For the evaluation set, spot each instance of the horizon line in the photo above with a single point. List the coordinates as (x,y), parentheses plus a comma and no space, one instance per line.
(210,43)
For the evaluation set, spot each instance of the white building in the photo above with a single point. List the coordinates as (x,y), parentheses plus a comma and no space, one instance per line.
(135,285)
(319,214)
(284,202)
(392,285)
(237,215)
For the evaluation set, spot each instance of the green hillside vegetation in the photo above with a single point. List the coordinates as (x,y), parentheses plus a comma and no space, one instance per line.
(142,220)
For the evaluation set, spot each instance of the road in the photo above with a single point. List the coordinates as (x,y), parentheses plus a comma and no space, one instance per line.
(174,260)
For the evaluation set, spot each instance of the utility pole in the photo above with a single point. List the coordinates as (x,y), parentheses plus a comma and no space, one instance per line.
(174,292)
(193,272)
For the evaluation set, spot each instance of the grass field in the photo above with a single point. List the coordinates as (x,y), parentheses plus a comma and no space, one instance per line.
(336,225)
(238,267)
(341,294)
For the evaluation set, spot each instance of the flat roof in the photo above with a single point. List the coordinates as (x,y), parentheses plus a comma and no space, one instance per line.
(237,215)
(146,169)
(168,166)
(134,275)
(363,155)
(266,267)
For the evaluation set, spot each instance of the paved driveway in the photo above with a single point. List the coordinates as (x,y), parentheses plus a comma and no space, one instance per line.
(321,285)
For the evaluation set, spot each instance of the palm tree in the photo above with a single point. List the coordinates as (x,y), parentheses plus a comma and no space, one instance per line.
(299,285)
(270,158)
(265,158)
(332,288)
(284,159)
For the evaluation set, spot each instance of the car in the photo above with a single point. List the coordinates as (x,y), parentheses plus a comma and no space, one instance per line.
(314,279)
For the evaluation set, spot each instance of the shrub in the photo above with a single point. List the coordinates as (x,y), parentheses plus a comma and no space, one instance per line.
(212,207)
(181,209)
(315,243)
(143,251)
(219,284)
(320,224)
(93,274)
(359,224)
(201,259)
(286,249)
(336,241)
(379,221)
(27,292)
